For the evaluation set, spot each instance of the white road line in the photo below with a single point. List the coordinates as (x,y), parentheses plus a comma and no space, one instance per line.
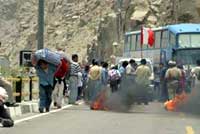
(43,114)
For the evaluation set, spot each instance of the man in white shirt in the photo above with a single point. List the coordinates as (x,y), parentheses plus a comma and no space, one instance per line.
(196,71)
(130,69)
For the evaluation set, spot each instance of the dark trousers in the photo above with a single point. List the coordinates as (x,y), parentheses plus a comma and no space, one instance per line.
(80,92)
(45,96)
(114,86)
(164,91)
(157,90)
(5,118)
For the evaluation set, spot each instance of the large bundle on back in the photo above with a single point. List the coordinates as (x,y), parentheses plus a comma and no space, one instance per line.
(48,56)
(59,60)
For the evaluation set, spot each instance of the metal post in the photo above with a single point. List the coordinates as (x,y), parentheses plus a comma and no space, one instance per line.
(40,35)
(30,88)
(198,6)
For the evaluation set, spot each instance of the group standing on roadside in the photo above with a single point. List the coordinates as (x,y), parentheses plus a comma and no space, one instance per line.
(90,80)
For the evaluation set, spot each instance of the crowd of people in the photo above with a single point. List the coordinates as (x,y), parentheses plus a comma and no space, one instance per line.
(63,77)
(86,82)
(172,79)
(83,82)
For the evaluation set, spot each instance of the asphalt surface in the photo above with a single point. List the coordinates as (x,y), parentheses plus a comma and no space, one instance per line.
(151,119)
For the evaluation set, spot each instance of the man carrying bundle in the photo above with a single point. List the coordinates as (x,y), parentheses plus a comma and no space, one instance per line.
(48,65)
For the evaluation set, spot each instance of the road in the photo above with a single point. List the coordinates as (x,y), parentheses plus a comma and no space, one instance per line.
(151,119)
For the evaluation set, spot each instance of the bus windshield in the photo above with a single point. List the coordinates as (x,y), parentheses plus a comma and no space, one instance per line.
(189,40)
(188,56)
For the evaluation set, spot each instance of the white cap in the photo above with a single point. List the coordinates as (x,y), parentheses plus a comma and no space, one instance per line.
(172,62)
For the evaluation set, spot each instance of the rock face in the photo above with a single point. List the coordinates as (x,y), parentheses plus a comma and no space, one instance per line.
(86,27)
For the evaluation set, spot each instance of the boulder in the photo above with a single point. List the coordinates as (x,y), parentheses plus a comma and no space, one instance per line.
(139,15)
(141,10)
(152,19)
(156,2)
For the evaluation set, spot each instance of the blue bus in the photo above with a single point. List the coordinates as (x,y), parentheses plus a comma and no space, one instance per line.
(180,42)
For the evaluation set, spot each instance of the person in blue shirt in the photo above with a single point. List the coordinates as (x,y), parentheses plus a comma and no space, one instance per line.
(122,69)
(104,74)
(45,72)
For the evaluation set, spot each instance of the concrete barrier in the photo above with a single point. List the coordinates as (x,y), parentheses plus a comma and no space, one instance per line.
(23,108)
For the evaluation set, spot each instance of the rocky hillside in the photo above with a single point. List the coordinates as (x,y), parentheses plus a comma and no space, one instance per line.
(87,27)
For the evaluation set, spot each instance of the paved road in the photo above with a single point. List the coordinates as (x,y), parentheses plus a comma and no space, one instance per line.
(152,119)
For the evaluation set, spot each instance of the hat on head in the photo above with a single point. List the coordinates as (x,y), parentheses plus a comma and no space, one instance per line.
(172,62)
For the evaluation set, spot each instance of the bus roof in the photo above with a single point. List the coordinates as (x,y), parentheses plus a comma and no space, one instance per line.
(176,29)
(138,31)
(184,28)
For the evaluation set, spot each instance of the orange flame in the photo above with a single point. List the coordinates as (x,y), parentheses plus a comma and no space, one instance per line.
(99,102)
(178,100)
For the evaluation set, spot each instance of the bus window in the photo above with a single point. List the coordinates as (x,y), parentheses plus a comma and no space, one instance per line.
(172,39)
(157,39)
(189,40)
(133,43)
(184,41)
(195,40)
(145,47)
(164,39)
(128,41)
(138,42)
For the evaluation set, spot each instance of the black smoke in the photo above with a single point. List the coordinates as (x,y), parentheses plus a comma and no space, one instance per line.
(192,104)
(129,93)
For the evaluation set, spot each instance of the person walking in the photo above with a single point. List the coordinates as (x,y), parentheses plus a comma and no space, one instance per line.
(85,82)
(59,82)
(143,73)
(45,72)
(104,74)
(130,72)
(130,69)
(114,78)
(94,84)
(73,79)
(58,90)
(163,83)
(173,76)
(80,86)
(196,70)
(122,68)
(182,81)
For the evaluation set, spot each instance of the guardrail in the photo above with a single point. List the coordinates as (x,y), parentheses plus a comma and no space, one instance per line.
(24,88)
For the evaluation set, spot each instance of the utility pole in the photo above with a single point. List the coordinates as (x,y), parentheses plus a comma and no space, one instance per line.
(40,35)
(198,6)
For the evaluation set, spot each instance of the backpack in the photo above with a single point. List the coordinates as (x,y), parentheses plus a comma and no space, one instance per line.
(62,69)
(114,75)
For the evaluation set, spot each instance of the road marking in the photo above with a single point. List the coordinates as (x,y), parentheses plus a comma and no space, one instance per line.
(43,114)
(189,130)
